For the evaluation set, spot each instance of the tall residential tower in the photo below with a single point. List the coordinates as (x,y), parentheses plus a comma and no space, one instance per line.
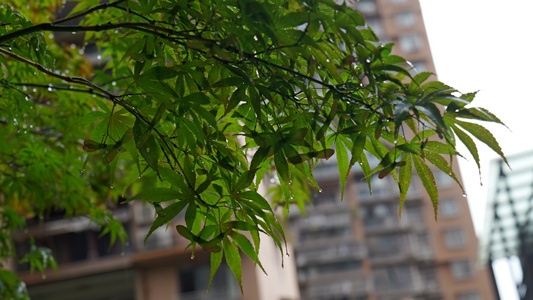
(358,248)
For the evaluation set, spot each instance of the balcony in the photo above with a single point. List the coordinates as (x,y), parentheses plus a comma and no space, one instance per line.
(331,252)
(338,285)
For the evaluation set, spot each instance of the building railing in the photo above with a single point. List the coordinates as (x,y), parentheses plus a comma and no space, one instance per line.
(330,252)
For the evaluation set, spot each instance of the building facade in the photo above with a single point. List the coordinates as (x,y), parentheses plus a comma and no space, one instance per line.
(508,230)
(358,248)
(90,268)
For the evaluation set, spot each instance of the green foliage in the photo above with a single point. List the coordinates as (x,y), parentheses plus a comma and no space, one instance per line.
(190,104)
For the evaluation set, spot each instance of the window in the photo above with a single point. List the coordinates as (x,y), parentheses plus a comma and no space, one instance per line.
(468,296)
(429,277)
(448,208)
(454,238)
(404,19)
(366,6)
(410,43)
(462,269)
(442,179)
(193,283)
(394,278)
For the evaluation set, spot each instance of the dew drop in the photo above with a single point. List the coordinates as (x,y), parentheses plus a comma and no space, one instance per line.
(99,57)
(395,141)
(111,187)
(50,89)
(464,195)
(82,171)
(27,98)
(192,256)
(368,60)
(113,83)
(287,254)
(34,90)
(320,190)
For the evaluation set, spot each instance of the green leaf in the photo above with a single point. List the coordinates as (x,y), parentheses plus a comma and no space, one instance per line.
(404,179)
(186,233)
(428,180)
(158,195)
(342,162)
(470,145)
(216,260)
(233,259)
(170,213)
(482,134)
(246,246)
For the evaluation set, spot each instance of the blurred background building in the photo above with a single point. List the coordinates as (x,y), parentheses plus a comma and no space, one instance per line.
(359,249)
(90,268)
(508,230)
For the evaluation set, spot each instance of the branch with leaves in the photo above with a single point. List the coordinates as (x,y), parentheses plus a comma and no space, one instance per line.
(190,106)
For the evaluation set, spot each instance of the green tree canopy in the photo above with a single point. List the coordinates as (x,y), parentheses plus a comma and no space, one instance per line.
(188,105)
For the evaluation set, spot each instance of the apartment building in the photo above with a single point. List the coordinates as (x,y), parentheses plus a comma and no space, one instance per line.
(359,248)
(90,268)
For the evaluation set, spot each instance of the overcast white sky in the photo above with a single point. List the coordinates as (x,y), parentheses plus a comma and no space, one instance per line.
(487,45)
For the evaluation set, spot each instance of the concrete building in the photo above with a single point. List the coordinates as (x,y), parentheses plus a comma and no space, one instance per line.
(508,230)
(92,269)
(358,248)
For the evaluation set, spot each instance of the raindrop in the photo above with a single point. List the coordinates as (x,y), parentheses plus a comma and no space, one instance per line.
(320,190)
(395,142)
(361,163)
(24,88)
(73,46)
(82,51)
(287,254)
(82,171)
(192,256)
(73,32)
(368,60)
(34,90)
(50,89)
(464,195)
(116,30)
(37,49)
(99,57)
(111,187)
(27,98)
(113,83)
